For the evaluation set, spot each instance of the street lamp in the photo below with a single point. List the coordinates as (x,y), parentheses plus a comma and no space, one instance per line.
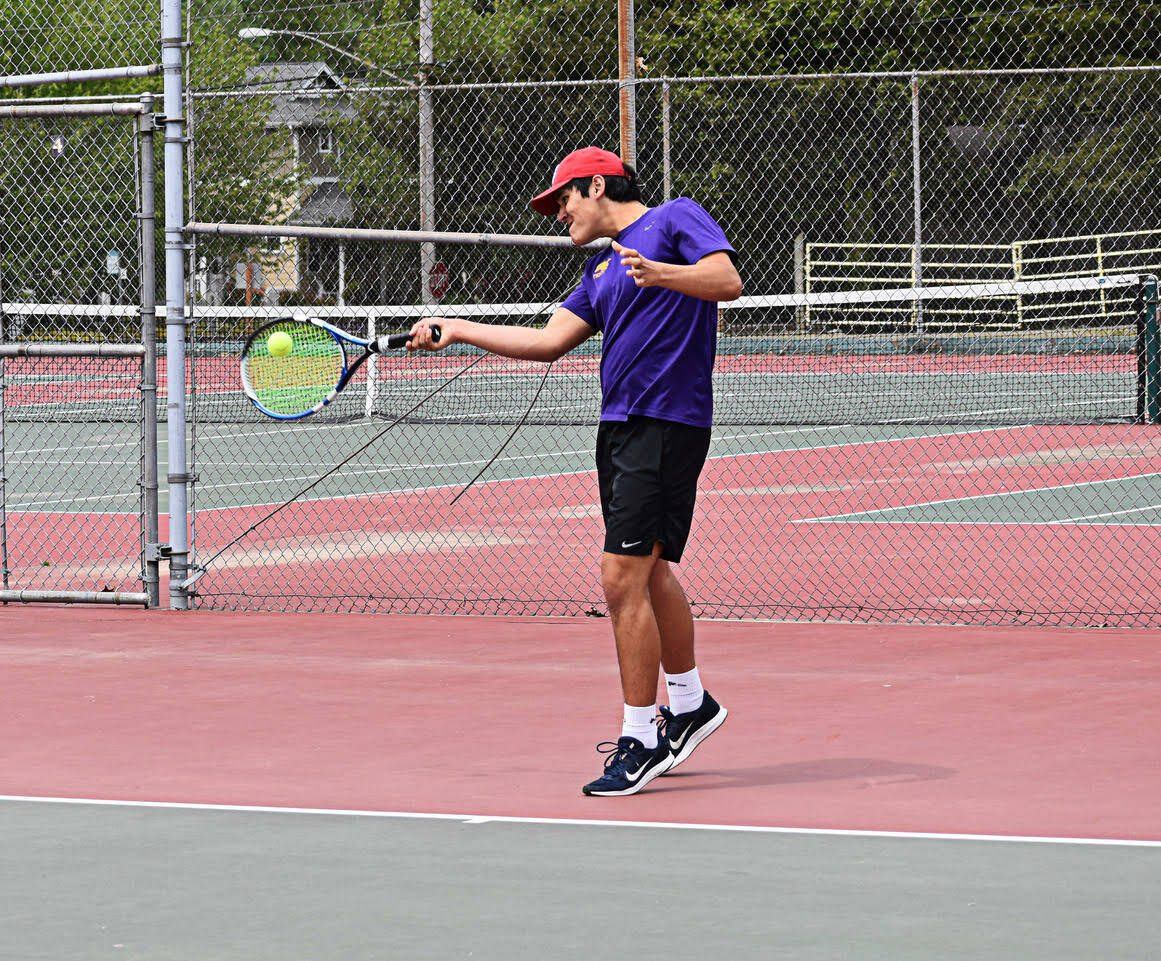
(262,33)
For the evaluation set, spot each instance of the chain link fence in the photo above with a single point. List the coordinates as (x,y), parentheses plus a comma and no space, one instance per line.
(957,459)
(78,474)
(81,49)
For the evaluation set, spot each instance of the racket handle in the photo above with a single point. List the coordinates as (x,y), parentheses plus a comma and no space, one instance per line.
(395,341)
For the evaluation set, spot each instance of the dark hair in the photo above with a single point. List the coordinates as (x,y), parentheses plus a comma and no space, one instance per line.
(620,190)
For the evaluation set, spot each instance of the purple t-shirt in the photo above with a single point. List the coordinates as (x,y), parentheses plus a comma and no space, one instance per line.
(659,345)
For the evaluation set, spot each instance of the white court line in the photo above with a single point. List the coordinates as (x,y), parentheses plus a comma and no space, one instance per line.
(267,479)
(585,822)
(974,497)
(869,442)
(1093,517)
(48,505)
(912,523)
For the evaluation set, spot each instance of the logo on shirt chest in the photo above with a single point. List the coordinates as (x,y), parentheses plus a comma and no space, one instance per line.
(601,268)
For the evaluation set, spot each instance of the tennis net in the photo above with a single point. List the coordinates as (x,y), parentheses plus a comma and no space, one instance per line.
(1059,351)
(1070,351)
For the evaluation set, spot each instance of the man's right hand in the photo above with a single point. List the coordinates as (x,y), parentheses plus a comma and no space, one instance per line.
(421,338)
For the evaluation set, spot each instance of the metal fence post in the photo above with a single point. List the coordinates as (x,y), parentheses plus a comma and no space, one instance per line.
(666,166)
(917,190)
(426,148)
(627,87)
(150,569)
(172,45)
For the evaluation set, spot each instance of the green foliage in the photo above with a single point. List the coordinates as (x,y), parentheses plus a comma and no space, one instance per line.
(829,158)
(66,200)
(43,36)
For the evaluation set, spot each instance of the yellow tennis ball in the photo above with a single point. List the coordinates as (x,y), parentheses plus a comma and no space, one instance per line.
(280,344)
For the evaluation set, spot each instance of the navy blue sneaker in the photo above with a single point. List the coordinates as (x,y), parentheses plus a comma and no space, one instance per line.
(629,766)
(684,732)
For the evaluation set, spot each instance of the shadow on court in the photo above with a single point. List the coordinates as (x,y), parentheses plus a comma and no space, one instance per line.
(869,770)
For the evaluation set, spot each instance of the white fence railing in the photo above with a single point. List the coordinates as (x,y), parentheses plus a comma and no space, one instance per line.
(833,267)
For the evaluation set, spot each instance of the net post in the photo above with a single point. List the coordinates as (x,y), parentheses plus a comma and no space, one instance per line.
(372,368)
(1149,379)
(4,571)
(800,313)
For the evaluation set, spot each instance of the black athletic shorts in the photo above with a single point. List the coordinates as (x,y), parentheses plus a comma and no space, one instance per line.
(648,470)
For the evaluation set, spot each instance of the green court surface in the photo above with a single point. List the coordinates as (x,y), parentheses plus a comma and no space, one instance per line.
(1121,500)
(81,883)
(95,467)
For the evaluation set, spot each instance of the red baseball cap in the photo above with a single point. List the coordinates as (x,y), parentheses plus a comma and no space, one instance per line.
(586,162)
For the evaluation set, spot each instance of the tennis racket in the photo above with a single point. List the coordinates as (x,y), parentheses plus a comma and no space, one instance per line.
(288,382)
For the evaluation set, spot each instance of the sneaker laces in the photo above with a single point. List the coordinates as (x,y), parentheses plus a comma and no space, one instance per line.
(618,755)
(666,718)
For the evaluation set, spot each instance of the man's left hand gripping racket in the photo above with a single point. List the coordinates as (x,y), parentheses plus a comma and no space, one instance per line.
(293,368)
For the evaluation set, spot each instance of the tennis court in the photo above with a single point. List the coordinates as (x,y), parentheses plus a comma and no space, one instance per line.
(924,556)
(909,499)
(966,476)
(333,786)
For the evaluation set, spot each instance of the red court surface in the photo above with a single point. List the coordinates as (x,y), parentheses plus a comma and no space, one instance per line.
(1012,731)
(956,526)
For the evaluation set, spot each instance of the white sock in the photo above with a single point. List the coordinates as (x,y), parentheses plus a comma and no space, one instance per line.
(685,691)
(639,723)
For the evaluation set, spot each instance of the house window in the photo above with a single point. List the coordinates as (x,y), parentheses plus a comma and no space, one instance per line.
(326,141)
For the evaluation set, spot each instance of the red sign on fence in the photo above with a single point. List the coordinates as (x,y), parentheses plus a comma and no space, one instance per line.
(439,281)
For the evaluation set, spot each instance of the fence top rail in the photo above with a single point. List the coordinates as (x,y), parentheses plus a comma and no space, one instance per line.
(839,245)
(113,109)
(904,74)
(77,76)
(1065,240)
(97,311)
(72,98)
(386,236)
(276,87)
(386,311)
(23,309)
(71,350)
(790,78)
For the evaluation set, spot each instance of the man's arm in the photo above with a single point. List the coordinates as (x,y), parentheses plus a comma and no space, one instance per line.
(714,277)
(564,331)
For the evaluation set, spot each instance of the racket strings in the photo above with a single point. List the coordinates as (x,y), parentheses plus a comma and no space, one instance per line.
(298,381)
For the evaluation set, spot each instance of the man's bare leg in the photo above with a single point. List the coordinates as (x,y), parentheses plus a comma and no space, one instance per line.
(636,630)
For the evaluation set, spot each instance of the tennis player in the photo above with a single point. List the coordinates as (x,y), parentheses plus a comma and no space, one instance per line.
(653,295)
